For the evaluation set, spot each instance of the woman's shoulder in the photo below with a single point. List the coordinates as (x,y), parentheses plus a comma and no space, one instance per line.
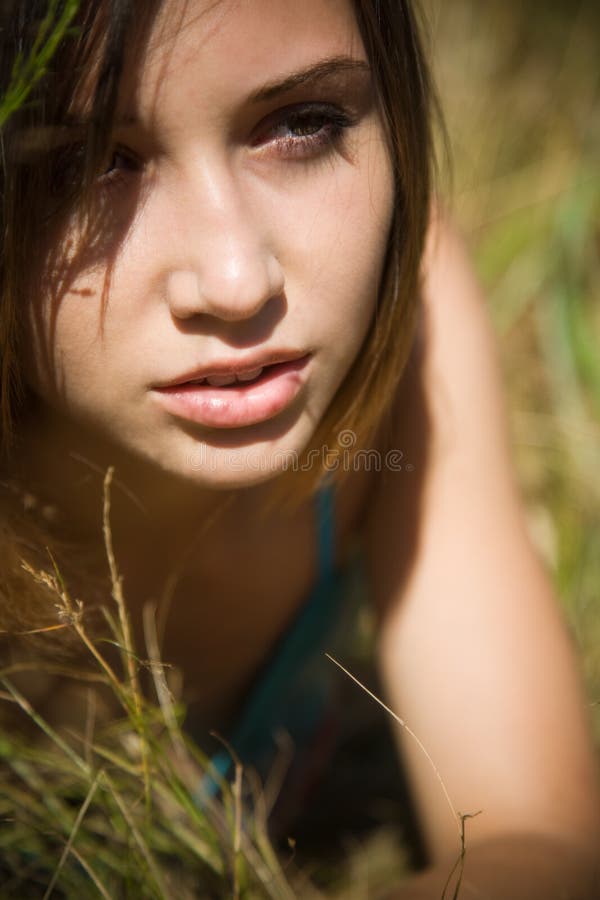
(445,435)
(472,645)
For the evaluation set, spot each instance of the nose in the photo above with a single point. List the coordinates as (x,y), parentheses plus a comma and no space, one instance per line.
(228,269)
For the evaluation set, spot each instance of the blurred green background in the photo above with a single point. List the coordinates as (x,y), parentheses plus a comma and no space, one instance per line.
(519,85)
(520,89)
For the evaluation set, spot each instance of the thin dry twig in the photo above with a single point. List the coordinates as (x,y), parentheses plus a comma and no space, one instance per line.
(460,861)
(72,612)
(237,828)
(157,670)
(459,818)
(129,654)
(31,631)
(409,731)
(144,849)
(88,869)
(117,587)
(76,825)
(27,708)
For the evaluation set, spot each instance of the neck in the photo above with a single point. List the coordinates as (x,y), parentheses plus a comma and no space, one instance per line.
(149,510)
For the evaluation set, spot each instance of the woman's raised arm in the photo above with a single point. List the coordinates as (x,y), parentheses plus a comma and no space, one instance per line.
(474,654)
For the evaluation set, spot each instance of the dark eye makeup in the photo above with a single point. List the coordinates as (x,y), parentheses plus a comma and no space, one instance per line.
(298,132)
(304,130)
(122,161)
(67,166)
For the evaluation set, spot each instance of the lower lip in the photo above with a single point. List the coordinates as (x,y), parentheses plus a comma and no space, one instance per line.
(239,405)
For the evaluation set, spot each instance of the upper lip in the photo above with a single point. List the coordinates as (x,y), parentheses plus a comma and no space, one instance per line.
(238,366)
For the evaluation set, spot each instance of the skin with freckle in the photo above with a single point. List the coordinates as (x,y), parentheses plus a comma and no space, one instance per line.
(233,240)
(243,276)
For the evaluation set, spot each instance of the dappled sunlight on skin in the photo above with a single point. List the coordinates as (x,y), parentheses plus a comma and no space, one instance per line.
(223,233)
(74,242)
(262,226)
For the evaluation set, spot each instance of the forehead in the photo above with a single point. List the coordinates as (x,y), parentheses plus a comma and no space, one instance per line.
(230,45)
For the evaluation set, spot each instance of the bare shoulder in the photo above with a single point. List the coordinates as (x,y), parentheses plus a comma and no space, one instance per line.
(473,650)
(446,422)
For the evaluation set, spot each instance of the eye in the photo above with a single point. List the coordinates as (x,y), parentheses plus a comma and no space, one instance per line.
(303,131)
(122,161)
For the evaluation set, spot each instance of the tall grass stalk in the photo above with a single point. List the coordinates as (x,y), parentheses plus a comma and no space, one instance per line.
(27,70)
(116,813)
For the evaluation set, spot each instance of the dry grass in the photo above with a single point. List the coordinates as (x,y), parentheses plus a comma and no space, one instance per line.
(122,811)
(521,93)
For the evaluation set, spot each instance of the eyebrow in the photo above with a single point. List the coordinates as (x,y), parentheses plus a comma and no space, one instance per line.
(324,68)
(313,74)
(319,71)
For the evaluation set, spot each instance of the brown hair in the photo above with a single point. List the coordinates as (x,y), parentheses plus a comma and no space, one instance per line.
(391,36)
(393,43)
(33,160)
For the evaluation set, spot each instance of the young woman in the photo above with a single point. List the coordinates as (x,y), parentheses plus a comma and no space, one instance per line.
(221,276)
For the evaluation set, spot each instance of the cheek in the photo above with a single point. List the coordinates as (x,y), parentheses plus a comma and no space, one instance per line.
(64,336)
(64,327)
(340,236)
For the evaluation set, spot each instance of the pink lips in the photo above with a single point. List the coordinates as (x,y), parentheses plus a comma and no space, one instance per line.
(239,404)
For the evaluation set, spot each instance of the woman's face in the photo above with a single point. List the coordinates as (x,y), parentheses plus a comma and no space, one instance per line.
(244,220)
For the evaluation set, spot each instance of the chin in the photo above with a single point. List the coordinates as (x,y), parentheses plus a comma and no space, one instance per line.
(224,459)
(238,467)
(239,458)
(228,464)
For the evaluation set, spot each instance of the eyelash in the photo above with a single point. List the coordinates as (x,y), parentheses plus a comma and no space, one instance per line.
(113,175)
(67,169)
(331,124)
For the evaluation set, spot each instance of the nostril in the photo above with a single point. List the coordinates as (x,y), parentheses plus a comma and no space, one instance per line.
(231,289)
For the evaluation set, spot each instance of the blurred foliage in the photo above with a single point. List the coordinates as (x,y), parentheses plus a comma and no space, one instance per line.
(27,70)
(520,90)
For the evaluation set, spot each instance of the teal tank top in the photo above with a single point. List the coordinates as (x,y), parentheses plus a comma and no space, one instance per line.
(297,686)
